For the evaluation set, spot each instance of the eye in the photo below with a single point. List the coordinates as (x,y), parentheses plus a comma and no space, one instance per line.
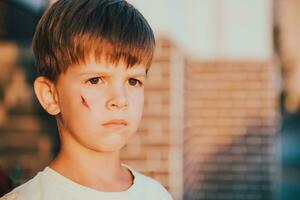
(134,82)
(94,80)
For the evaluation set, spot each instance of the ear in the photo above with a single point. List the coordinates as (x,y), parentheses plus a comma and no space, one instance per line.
(47,95)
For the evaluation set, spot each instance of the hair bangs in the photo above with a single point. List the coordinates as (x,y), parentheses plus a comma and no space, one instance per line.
(74,32)
(85,48)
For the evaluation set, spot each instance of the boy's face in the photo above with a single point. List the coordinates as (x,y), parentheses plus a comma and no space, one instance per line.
(100,105)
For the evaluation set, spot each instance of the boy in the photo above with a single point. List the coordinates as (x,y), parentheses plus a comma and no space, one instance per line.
(93,57)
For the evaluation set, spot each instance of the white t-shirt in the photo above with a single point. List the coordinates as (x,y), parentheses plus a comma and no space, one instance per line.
(50,185)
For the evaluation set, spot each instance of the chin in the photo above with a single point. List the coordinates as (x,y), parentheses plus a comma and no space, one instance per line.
(111,146)
(112,141)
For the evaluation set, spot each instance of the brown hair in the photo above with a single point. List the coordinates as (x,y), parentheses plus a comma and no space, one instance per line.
(71,31)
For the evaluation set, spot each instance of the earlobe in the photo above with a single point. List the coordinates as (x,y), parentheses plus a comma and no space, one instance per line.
(47,95)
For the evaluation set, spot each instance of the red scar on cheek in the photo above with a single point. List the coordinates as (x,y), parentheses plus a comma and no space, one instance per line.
(83,101)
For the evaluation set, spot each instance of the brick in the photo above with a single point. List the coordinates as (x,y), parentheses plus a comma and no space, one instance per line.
(23,122)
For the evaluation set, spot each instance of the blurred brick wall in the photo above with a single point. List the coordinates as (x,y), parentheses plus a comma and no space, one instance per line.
(24,146)
(224,113)
(147,151)
(155,149)
(232,117)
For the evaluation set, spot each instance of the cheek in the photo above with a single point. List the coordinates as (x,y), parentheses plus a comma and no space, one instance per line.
(67,101)
(137,99)
(91,99)
(74,101)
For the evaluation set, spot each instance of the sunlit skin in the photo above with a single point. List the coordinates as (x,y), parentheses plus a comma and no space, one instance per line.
(90,96)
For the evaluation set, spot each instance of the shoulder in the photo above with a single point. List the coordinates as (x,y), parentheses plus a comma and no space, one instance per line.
(152,187)
(29,190)
(14,195)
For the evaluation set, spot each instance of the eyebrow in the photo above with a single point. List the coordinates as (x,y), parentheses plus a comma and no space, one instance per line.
(138,74)
(94,72)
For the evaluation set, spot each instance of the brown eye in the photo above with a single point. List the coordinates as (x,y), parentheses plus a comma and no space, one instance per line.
(94,80)
(134,82)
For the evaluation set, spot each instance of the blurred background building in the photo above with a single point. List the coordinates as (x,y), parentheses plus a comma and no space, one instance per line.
(221,116)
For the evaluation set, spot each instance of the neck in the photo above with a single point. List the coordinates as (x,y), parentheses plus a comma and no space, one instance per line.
(94,169)
(88,163)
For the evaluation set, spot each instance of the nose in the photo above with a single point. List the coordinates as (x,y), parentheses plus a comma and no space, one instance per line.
(118,99)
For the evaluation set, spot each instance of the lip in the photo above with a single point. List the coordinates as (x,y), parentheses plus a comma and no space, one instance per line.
(116,123)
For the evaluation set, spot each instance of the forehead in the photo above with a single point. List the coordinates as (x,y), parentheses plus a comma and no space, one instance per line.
(104,67)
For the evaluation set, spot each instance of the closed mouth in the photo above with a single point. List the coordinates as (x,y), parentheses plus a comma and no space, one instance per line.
(115,123)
